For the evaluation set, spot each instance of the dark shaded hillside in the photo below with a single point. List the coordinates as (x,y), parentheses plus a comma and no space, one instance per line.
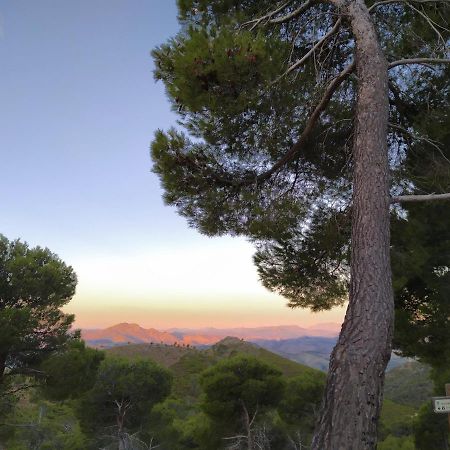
(308,350)
(409,384)
(163,354)
(231,346)
(187,363)
(176,356)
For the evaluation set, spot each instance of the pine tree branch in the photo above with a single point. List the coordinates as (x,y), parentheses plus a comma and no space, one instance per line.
(420,198)
(419,138)
(227,179)
(311,122)
(424,61)
(268,18)
(387,2)
(313,49)
(433,25)
(300,10)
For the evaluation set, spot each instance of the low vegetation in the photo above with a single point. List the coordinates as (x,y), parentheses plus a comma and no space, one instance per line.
(176,397)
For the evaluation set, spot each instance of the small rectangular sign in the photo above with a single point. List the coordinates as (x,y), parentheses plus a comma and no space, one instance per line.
(441,405)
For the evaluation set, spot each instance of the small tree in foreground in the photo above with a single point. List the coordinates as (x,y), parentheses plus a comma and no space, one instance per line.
(307,123)
(238,391)
(120,402)
(34,285)
(71,372)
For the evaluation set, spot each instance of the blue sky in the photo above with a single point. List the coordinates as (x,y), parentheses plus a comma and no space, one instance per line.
(78,109)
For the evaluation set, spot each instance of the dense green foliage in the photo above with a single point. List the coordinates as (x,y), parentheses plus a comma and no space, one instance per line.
(421,257)
(43,425)
(409,384)
(179,421)
(431,430)
(240,385)
(123,395)
(71,372)
(229,172)
(34,285)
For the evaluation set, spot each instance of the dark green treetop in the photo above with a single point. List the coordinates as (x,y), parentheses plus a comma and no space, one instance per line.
(123,395)
(34,284)
(240,387)
(71,372)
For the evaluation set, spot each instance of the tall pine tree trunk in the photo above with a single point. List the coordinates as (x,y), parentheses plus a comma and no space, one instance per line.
(355,381)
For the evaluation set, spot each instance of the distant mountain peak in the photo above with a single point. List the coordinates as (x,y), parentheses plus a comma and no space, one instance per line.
(124,333)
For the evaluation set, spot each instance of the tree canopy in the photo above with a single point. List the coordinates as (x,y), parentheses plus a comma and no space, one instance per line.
(34,284)
(307,126)
(71,372)
(122,396)
(238,391)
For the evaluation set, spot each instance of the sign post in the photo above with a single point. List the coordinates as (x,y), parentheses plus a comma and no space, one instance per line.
(447,392)
(441,405)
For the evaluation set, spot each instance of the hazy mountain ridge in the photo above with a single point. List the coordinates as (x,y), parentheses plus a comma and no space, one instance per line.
(133,333)
(123,333)
(311,346)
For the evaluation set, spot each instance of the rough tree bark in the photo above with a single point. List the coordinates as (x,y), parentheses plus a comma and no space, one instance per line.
(353,396)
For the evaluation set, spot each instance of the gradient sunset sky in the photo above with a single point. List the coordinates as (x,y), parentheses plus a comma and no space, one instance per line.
(78,109)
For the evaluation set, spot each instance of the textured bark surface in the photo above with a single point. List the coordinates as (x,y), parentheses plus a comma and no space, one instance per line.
(356,375)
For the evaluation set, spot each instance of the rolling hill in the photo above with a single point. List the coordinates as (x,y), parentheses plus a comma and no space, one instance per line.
(308,347)
(171,356)
(187,363)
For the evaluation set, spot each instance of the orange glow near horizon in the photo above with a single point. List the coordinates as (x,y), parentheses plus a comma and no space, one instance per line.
(212,284)
(213,312)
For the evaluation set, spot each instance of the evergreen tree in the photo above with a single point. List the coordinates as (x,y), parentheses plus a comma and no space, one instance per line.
(72,371)
(121,399)
(305,124)
(238,391)
(34,285)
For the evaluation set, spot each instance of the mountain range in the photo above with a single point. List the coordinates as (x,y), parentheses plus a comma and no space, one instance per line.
(124,333)
(311,346)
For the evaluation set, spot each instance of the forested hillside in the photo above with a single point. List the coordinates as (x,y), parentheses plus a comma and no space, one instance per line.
(183,416)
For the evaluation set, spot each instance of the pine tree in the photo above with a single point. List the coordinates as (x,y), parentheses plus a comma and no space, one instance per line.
(304,132)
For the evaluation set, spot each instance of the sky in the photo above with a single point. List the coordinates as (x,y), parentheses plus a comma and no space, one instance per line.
(78,110)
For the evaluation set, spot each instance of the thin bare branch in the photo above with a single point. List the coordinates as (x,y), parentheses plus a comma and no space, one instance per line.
(420,198)
(419,138)
(268,16)
(254,417)
(313,49)
(430,22)
(387,2)
(311,122)
(297,12)
(238,436)
(423,61)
